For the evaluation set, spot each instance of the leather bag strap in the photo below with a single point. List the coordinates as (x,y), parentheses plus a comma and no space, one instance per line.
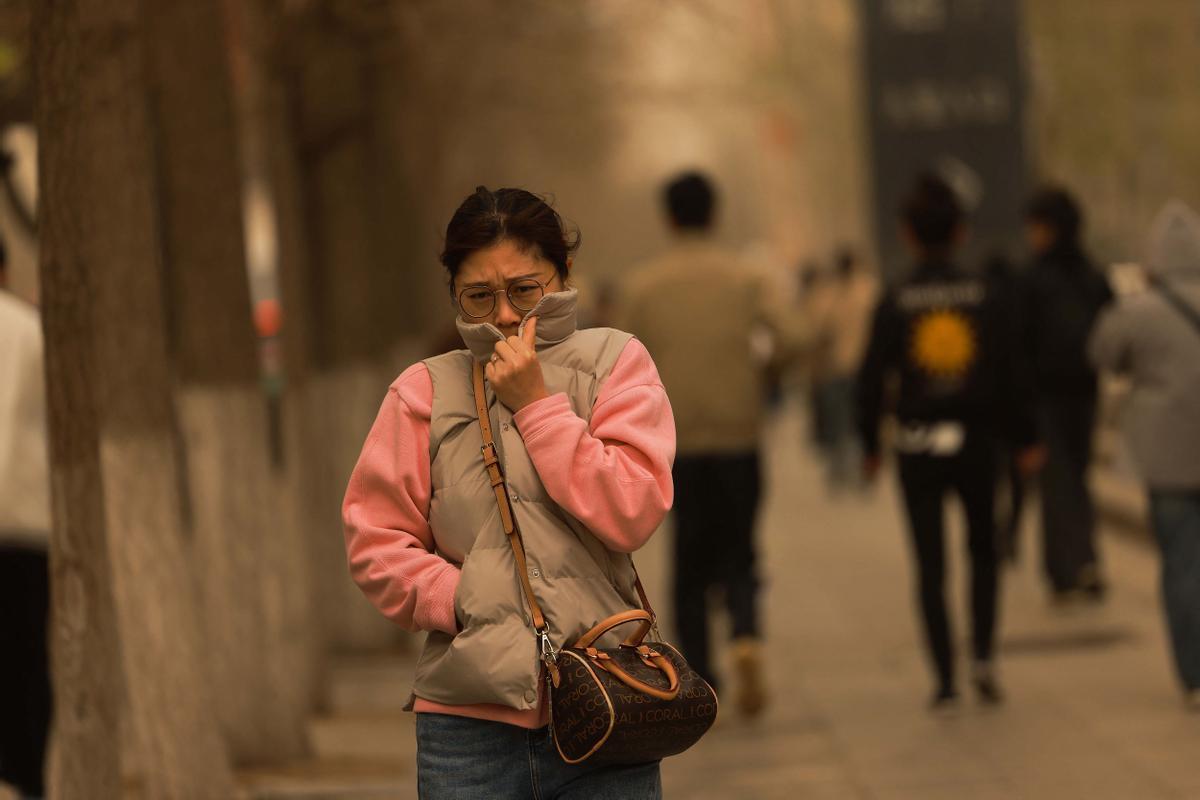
(637,584)
(491,461)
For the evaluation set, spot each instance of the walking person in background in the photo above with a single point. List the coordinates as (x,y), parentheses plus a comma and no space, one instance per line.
(585,439)
(25,704)
(1153,338)
(949,338)
(1061,298)
(696,308)
(814,290)
(842,327)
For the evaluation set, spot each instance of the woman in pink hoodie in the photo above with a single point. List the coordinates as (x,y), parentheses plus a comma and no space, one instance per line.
(586,440)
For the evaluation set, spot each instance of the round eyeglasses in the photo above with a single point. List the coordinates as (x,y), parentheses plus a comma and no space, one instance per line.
(478,302)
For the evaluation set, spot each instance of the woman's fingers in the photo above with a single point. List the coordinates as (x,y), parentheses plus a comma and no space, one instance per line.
(515,373)
(506,352)
(514,350)
(529,335)
(521,347)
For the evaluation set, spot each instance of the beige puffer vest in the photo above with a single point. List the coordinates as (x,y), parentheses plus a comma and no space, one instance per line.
(576,579)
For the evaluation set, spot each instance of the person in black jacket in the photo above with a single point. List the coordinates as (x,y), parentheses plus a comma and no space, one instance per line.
(1062,297)
(949,338)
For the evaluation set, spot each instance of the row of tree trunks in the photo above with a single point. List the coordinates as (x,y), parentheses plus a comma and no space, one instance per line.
(343,242)
(119,560)
(269,162)
(253,596)
(196,584)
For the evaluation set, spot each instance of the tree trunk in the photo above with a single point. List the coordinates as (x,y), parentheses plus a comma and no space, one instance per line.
(341,276)
(84,647)
(242,550)
(118,526)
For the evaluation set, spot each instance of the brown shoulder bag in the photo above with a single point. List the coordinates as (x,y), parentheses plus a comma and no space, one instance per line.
(630,704)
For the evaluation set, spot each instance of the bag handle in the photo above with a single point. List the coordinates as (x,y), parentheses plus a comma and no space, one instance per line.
(606,625)
(492,462)
(654,659)
(651,658)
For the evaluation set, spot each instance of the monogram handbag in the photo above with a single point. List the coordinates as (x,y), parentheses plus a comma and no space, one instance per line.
(630,704)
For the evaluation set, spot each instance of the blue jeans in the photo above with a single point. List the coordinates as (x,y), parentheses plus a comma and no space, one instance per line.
(1176,516)
(459,758)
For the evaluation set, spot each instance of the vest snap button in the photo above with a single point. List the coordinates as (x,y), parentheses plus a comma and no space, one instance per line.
(534,572)
(530,695)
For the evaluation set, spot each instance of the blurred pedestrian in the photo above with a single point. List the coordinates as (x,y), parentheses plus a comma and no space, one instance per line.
(947,336)
(25,705)
(1153,338)
(815,285)
(842,323)
(1062,295)
(697,307)
(585,439)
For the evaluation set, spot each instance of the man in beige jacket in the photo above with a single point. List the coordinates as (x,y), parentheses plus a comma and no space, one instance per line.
(696,308)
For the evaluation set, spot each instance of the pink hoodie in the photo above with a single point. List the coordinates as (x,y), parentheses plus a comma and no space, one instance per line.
(612,474)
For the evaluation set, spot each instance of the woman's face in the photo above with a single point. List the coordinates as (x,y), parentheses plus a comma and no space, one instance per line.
(496,268)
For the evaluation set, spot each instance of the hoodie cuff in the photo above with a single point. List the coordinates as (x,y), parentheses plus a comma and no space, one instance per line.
(534,418)
(437,610)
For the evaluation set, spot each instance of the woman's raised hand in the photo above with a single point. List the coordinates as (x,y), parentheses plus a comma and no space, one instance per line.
(514,370)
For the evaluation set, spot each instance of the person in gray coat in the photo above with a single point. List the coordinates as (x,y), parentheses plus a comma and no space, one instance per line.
(1153,337)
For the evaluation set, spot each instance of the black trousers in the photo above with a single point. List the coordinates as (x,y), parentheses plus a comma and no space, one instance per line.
(716,503)
(1010,503)
(1068,516)
(925,481)
(24,667)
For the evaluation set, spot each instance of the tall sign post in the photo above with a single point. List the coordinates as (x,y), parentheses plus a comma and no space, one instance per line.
(945,92)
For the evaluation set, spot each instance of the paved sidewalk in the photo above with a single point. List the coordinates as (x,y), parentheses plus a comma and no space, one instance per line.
(1093,710)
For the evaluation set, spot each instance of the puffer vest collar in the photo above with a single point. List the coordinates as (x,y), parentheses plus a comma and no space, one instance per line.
(557,315)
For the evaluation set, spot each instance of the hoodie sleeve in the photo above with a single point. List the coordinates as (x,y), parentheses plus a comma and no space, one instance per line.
(389,544)
(614,473)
